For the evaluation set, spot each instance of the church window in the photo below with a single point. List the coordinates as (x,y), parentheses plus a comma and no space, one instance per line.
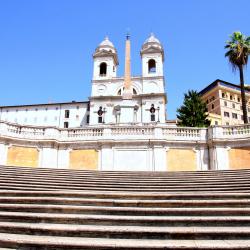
(151,66)
(103,69)
(66,115)
(88,106)
(87,119)
(212,106)
(152,113)
(66,125)
(134,92)
(119,92)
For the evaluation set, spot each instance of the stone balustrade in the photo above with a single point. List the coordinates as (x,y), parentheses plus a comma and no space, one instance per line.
(124,132)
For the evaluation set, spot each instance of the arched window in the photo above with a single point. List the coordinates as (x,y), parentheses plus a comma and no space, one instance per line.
(103,69)
(151,66)
(134,92)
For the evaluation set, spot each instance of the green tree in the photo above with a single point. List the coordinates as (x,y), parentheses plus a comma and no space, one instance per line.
(238,51)
(193,112)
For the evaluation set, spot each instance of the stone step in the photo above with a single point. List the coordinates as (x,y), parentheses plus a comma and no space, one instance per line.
(71,184)
(41,187)
(125,210)
(126,202)
(176,190)
(130,178)
(119,174)
(127,195)
(156,183)
(125,232)
(55,242)
(139,220)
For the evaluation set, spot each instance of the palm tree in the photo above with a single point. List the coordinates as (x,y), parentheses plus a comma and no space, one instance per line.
(238,52)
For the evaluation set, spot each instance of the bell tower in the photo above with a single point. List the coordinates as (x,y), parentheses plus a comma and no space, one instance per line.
(105,61)
(152,55)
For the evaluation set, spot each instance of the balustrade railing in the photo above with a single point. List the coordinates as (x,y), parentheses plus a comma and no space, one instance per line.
(236,130)
(112,132)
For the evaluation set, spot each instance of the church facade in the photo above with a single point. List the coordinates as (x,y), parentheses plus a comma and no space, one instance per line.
(106,104)
(121,127)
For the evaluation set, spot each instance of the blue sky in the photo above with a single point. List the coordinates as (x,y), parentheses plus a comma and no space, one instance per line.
(46,46)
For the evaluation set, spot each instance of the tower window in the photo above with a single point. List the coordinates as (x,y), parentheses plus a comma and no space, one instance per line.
(103,69)
(151,66)
(87,120)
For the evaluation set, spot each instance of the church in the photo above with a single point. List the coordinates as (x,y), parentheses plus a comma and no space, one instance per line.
(113,100)
(122,127)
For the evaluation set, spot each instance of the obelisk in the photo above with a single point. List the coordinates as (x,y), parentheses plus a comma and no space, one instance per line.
(127,93)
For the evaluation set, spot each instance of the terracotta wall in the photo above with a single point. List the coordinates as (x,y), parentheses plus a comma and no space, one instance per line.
(83,159)
(239,158)
(181,160)
(22,156)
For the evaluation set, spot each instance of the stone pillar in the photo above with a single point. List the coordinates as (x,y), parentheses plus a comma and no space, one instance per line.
(127,93)
(63,158)
(159,159)
(3,153)
(107,158)
(48,157)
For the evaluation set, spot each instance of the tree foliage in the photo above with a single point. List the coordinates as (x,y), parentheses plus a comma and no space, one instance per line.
(193,112)
(238,50)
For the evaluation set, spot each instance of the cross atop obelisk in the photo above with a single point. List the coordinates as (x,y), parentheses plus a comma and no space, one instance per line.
(127,93)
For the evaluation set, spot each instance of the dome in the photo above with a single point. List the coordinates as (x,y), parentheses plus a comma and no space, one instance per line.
(106,42)
(152,39)
(152,45)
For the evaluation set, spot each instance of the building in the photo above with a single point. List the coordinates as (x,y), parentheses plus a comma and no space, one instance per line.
(223,101)
(113,100)
(123,126)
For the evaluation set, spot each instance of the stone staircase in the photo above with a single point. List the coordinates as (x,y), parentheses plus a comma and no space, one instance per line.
(66,209)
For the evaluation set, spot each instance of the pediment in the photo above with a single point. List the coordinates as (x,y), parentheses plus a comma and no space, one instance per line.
(152,50)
